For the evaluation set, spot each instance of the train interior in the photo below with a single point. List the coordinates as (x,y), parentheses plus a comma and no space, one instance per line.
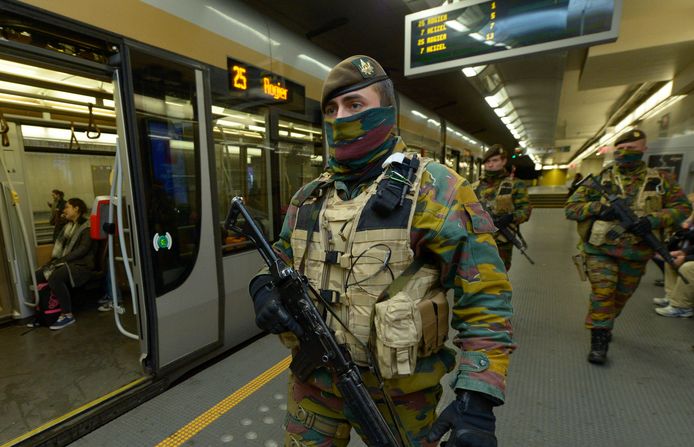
(63,137)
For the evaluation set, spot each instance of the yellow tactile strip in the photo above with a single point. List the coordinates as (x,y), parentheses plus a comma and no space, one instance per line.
(229,402)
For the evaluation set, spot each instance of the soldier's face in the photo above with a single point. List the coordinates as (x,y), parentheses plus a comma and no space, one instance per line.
(352,103)
(494,163)
(638,145)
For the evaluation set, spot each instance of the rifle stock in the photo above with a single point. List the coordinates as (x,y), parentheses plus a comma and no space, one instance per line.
(627,218)
(318,346)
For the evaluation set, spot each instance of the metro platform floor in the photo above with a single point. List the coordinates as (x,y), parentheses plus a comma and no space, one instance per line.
(643,396)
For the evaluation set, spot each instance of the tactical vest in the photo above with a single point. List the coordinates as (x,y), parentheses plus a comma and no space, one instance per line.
(502,203)
(352,257)
(648,200)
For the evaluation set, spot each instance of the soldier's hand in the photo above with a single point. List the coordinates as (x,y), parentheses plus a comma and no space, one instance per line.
(470,418)
(502,220)
(641,227)
(607,213)
(270,314)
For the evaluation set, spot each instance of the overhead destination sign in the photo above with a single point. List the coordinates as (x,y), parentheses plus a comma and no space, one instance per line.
(253,82)
(477,32)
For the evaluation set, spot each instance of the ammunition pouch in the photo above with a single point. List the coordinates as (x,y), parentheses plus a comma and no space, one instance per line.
(604,232)
(398,325)
(435,313)
(406,329)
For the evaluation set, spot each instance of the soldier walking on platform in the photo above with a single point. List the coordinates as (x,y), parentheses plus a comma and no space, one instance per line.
(616,257)
(505,197)
(381,236)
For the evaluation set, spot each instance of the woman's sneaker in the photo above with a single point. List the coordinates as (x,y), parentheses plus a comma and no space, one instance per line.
(677,312)
(63,321)
(107,307)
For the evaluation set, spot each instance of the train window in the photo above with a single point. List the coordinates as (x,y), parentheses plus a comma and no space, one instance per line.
(300,158)
(453,160)
(241,158)
(167,121)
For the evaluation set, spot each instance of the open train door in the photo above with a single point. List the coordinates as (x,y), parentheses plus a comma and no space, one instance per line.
(171,176)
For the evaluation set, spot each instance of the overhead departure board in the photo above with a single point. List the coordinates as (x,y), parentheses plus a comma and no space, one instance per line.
(477,32)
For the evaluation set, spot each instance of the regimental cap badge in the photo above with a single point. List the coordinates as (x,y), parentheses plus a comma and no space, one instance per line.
(354,73)
(365,67)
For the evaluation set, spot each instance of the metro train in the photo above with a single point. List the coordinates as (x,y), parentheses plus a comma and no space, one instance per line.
(160,130)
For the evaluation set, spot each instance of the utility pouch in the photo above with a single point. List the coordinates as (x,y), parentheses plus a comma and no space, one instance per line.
(434,312)
(391,191)
(580,263)
(398,326)
(603,232)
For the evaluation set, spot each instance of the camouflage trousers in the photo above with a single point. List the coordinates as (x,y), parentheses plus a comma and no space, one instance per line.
(317,415)
(613,281)
(505,253)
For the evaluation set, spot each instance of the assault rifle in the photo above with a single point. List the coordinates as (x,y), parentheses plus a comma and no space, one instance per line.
(627,218)
(318,346)
(516,239)
(513,237)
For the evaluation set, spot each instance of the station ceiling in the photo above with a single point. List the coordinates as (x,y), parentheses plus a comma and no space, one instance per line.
(564,99)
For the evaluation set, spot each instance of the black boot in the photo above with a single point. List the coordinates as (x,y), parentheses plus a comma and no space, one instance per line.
(599,342)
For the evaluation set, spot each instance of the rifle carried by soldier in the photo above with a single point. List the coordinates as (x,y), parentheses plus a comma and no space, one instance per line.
(516,239)
(627,219)
(318,346)
(512,236)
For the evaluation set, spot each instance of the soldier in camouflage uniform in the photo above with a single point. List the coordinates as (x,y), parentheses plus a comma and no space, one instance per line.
(616,259)
(505,197)
(376,211)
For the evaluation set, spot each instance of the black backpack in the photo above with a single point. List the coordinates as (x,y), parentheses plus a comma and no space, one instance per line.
(48,310)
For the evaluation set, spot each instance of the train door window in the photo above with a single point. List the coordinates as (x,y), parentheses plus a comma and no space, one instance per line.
(429,153)
(66,125)
(167,121)
(453,160)
(242,163)
(301,158)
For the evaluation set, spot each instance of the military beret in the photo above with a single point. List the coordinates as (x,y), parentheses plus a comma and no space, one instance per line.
(496,149)
(632,135)
(353,73)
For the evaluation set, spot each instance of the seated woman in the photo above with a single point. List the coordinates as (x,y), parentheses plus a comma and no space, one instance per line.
(72,260)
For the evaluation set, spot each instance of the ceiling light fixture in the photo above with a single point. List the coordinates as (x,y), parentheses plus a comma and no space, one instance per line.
(471,72)
(497,99)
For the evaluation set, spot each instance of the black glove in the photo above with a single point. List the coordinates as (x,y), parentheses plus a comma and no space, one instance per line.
(641,227)
(470,419)
(502,220)
(607,213)
(270,314)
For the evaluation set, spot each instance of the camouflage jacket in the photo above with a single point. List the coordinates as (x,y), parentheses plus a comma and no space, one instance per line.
(586,204)
(487,188)
(450,225)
